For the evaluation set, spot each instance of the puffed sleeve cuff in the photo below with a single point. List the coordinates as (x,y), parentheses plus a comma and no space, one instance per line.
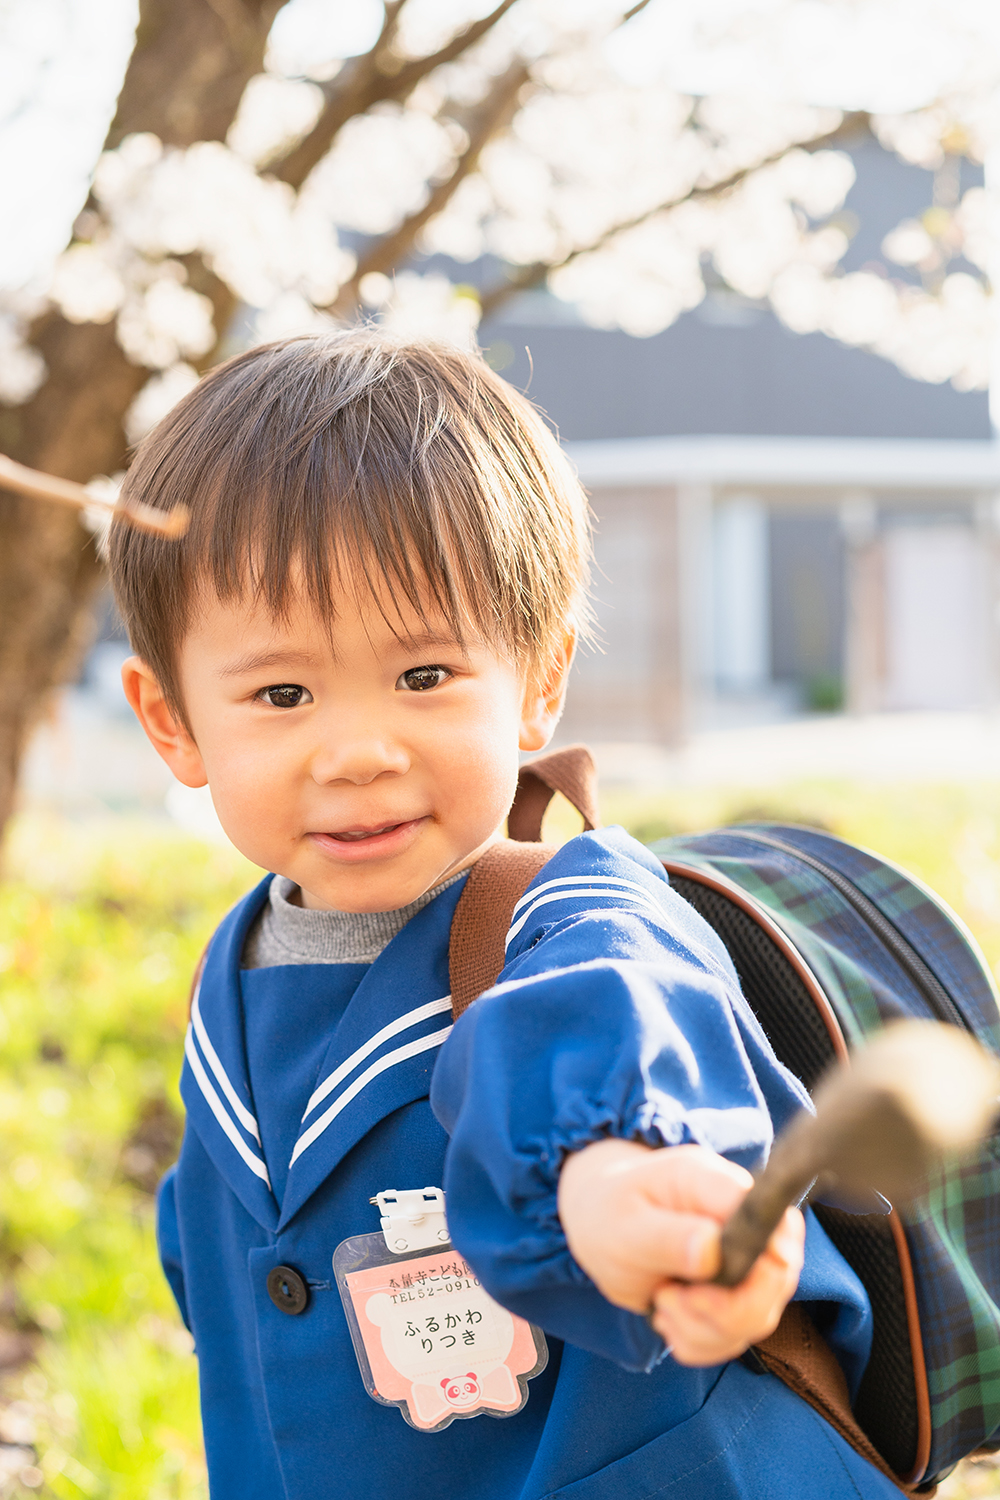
(545,1065)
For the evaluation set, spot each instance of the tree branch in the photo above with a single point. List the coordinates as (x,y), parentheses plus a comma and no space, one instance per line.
(491,116)
(374,78)
(533,275)
(39,486)
(633,11)
(191,62)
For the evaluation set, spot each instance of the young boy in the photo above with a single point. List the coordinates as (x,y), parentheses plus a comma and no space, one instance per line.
(373,612)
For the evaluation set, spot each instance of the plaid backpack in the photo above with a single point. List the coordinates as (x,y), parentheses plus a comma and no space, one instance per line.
(829,942)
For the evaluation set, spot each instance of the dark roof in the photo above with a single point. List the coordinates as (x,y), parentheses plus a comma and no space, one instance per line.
(696,378)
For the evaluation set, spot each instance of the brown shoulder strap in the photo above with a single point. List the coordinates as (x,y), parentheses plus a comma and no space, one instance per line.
(570,771)
(800,1357)
(496,881)
(482,916)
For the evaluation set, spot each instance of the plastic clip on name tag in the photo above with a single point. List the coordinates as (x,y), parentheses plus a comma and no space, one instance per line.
(427,1336)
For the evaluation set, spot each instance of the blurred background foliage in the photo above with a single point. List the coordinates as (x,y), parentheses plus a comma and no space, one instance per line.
(100,929)
(101,925)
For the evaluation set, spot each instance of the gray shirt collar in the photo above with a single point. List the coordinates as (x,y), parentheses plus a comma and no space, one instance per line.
(286,933)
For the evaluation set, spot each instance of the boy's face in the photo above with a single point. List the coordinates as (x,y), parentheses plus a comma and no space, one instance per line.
(367,769)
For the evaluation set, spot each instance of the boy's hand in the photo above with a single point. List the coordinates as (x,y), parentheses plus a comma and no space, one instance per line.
(643,1224)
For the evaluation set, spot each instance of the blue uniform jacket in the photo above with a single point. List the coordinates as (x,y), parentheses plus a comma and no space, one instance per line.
(618,1012)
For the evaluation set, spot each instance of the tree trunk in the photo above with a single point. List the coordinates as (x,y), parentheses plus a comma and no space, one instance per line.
(191,62)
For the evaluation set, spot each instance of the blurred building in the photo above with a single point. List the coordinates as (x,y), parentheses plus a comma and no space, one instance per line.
(784,523)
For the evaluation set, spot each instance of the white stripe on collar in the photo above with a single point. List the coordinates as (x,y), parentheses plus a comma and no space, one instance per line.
(402,1023)
(622,890)
(253,1161)
(547,885)
(239,1109)
(390,1060)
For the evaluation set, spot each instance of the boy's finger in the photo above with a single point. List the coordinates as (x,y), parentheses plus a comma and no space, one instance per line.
(695,1339)
(788,1241)
(748,1312)
(742,1314)
(699,1334)
(772,1278)
(667,1245)
(685,1246)
(775,1271)
(691,1341)
(693,1179)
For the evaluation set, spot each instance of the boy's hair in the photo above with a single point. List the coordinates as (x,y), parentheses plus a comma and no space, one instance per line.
(411,466)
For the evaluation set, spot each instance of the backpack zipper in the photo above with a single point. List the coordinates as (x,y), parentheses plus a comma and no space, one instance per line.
(926,982)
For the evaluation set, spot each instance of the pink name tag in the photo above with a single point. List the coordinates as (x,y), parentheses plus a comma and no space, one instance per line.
(429,1339)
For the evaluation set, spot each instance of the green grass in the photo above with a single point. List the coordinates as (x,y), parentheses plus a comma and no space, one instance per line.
(100,929)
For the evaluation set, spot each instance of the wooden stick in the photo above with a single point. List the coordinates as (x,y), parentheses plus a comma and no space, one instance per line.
(916,1093)
(39,486)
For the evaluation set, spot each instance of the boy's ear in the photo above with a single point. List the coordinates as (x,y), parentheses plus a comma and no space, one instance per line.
(165,732)
(544,697)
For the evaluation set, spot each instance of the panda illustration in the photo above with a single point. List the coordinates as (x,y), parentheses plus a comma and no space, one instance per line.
(463,1391)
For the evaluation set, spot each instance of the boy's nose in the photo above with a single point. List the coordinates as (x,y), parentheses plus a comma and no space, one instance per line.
(359,760)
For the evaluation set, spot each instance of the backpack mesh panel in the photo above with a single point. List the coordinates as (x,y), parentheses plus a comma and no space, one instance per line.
(776,994)
(886,1404)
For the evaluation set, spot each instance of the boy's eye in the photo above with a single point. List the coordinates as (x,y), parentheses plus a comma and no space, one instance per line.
(420,679)
(285,695)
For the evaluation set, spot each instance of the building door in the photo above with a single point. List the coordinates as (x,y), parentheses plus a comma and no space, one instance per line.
(935,617)
(630,688)
(741,624)
(807,604)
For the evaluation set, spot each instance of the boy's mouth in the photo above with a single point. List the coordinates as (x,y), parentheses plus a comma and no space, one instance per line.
(355,835)
(358,842)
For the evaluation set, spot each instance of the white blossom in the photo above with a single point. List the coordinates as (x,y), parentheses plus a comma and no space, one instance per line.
(160,325)
(593,175)
(978,220)
(375,289)
(930,337)
(288,315)
(273,114)
(22,368)
(265,242)
(862,310)
(158,395)
(86,287)
(422,307)
(378,169)
(818,181)
(641,281)
(459,231)
(908,244)
(310,36)
(916,137)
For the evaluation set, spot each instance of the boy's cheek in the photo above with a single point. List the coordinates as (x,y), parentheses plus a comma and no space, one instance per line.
(254,808)
(249,803)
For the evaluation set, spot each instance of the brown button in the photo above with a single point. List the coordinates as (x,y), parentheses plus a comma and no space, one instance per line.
(287,1289)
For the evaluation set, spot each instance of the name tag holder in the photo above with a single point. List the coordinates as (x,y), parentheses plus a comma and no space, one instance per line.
(428,1338)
